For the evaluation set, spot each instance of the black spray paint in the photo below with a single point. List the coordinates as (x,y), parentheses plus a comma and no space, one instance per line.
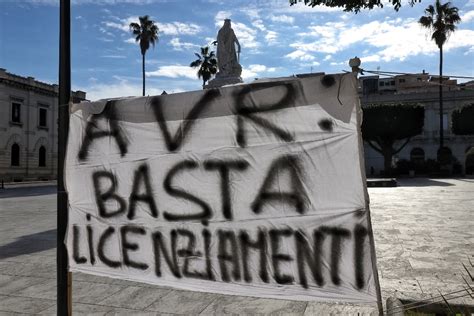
(94,132)
(296,197)
(246,111)
(224,168)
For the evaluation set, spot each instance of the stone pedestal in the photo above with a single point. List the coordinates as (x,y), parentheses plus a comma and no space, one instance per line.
(220,81)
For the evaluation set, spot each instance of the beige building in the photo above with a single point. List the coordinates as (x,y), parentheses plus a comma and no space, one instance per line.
(28,128)
(421,88)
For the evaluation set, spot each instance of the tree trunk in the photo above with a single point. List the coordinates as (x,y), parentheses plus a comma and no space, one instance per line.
(203,83)
(441,127)
(143,72)
(387,160)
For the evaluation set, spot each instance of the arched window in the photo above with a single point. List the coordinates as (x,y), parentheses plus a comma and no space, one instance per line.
(42,157)
(15,155)
(417,155)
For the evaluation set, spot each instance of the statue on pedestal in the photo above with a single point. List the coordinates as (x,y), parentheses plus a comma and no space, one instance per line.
(229,69)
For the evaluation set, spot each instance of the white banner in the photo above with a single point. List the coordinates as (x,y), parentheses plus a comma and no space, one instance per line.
(255,189)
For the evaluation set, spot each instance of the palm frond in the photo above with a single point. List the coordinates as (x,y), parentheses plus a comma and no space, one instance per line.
(441,19)
(134,27)
(196,63)
(207,64)
(426,21)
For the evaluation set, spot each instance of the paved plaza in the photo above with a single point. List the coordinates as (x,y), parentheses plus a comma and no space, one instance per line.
(423,233)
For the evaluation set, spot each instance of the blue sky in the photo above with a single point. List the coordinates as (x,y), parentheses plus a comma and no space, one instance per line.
(277,40)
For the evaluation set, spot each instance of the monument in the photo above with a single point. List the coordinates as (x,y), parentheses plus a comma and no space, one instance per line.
(228,55)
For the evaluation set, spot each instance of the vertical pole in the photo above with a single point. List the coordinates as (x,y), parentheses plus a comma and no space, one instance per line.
(441,127)
(63,278)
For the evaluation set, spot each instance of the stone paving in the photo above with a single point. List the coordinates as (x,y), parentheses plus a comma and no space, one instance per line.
(423,233)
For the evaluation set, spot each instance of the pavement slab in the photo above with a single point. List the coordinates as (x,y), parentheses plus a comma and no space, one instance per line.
(10,284)
(183,302)
(239,305)
(25,305)
(135,297)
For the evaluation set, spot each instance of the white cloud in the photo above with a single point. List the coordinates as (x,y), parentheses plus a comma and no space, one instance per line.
(284,7)
(327,57)
(300,55)
(178,28)
(119,26)
(178,45)
(396,39)
(105,39)
(255,70)
(246,35)
(252,13)
(282,18)
(172,28)
(173,71)
(271,37)
(221,16)
(259,25)
(113,56)
(104,31)
(470,51)
(248,74)
(468,16)
(370,58)
(261,68)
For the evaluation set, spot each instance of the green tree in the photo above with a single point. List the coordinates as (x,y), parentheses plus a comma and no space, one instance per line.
(441,20)
(352,5)
(462,120)
(383,125)
(146,33)
(207,64)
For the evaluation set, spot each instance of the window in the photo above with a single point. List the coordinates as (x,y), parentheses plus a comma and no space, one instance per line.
(381,83)
(401,80)
(418,79)
(16,112)
(15,155)
(42,120)
(42,157)
(392,83)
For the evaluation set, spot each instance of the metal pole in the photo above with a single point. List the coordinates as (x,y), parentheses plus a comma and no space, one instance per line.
(63,277)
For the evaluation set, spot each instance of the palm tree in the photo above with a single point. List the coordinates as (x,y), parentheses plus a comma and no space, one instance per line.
(146,33)
(441,20)
(207,64)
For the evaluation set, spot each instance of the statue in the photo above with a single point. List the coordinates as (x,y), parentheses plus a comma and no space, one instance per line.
(229,69)
(227,59)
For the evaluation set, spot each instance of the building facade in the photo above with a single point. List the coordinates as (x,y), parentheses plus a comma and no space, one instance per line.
(422,89)
(28,128)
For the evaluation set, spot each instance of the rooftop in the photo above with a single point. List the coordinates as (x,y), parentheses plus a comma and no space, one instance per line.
(30,83)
